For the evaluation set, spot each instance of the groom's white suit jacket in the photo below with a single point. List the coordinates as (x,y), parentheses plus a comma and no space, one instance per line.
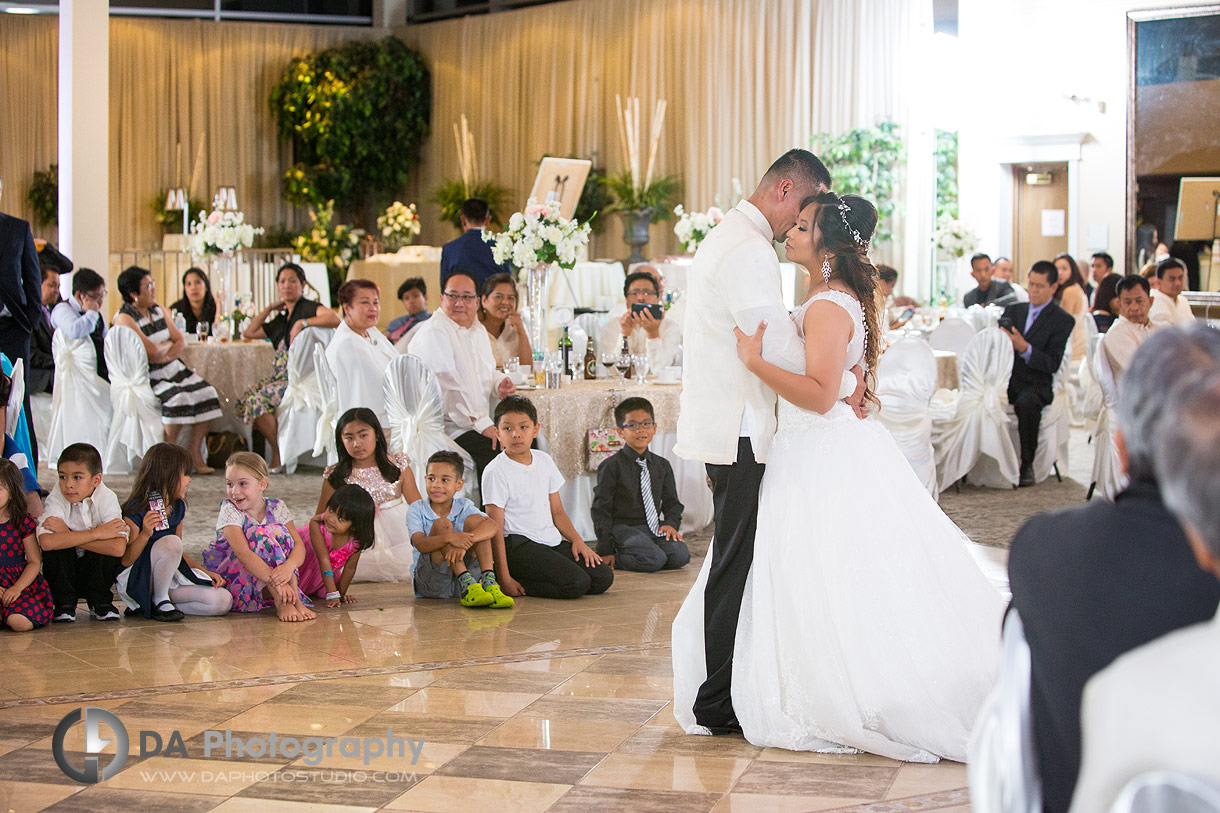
(734,281)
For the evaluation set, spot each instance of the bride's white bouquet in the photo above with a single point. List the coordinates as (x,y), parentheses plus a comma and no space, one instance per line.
(693,227)
(398,225)
(539,235)
(954,237)
(221,231)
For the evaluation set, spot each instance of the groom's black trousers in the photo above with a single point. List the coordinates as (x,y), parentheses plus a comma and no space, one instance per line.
(735,501)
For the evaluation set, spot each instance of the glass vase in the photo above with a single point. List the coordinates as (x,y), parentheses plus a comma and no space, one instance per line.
(536,292)
(224,282)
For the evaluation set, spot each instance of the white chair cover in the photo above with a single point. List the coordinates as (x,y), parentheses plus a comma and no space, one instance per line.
(1108,475)
(1088,405)
(136,424)
(1168,792)
(952,334)
(1055,429)
(80,404)
(40,418)
(906,380)
(301,406)
(1001,762)
(328,414)
(980,317)
(975,440)
(416,419)
(16,398)
(591,324)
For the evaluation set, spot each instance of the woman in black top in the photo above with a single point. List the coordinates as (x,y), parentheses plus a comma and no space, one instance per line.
(1105,304)
(197,303)
(293,313)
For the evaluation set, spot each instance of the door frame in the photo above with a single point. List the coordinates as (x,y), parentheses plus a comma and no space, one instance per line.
(1056,148)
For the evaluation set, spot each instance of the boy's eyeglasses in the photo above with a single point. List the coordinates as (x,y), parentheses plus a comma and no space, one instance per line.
(631,427)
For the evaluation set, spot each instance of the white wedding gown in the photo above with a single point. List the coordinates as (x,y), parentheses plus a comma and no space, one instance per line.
(867,622)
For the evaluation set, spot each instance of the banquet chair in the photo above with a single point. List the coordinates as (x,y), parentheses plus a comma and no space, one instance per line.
(952,334)
(980,318)
(415,413)
(80,404)
(1055,427)
(301,406)
(1168,792)
(136,423)
(973,440)
(591,324)
(16,422)
(1001,758)
(906,380)
(1108,473)
(1088,402)
(328,414)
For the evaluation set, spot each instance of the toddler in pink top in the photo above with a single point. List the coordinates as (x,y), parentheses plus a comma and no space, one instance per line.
(335,539)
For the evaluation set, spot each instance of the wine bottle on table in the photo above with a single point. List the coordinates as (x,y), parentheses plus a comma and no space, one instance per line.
(590,361)
(565,352)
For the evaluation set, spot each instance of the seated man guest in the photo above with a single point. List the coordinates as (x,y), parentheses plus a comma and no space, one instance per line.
(81,315)
(413,294)
(457,349)
(989,290)
(1169,307)
(659,339)
(469,252)
(1101,265)
(1001,270)
(1039,331)
(1131,328)
(1097,580)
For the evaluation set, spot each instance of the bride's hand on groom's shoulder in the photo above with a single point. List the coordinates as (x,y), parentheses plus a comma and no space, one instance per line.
(749,347)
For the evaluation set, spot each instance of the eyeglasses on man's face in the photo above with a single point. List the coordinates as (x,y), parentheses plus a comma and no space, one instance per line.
(462,298)
(633,426)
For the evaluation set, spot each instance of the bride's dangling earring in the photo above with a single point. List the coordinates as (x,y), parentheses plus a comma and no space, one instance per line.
(826,269)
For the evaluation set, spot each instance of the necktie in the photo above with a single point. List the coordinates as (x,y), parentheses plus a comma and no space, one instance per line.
(650,506)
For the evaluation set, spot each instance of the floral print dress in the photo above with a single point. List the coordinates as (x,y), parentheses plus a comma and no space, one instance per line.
(270,541)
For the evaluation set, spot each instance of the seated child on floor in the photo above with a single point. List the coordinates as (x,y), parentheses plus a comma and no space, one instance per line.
(542,553)
(453,540)
(636,511)
(159,581)
(82,536)
(257,549)
(334,540)
(25,597)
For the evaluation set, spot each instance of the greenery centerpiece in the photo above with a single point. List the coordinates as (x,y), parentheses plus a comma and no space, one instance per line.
(330,243)
(866,162)
(398,226)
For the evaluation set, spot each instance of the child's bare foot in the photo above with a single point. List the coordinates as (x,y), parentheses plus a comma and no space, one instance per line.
(295,611)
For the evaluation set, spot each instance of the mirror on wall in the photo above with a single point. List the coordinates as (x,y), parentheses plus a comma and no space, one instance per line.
(1173,132)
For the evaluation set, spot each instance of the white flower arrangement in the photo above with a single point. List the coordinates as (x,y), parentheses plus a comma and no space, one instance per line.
(539,235)
(327,242)
(954,237)
(221,231)
(398,225)
(693,227)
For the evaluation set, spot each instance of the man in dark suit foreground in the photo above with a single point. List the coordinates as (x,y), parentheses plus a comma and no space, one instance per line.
(1098,580)
(1039,331)
(470,252)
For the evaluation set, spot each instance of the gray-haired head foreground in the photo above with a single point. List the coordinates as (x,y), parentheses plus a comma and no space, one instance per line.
(1188,459)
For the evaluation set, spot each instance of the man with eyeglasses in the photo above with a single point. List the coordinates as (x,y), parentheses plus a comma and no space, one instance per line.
(454,346)
(81,316)
(659,339)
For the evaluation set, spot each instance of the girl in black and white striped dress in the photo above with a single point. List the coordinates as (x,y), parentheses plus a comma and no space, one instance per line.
(186,399)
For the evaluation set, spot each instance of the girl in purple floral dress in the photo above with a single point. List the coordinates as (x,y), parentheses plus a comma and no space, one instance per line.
(257,548)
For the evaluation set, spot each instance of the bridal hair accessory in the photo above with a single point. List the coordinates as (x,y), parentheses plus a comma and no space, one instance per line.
(826,269)
(855,235)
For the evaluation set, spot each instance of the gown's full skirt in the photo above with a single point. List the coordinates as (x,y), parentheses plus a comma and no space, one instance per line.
(867,620)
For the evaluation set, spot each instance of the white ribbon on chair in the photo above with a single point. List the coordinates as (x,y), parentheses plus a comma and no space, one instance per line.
(301,406)
(16,398)
(1108,475)
(328,414)
(906,380)
(80,403)
(136,424)
(416,418)
(975,439)
(1055,428)
(1088,402)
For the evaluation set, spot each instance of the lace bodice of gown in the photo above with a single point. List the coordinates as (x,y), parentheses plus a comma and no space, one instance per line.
(793,417)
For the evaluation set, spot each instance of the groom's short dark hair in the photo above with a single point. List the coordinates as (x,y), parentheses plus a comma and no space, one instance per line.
(800,166)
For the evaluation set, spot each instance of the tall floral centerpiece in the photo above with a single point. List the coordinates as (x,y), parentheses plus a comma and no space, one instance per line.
(330,243)
(398,226)
(221,234)
(693,227)
(954,240)
(535,240)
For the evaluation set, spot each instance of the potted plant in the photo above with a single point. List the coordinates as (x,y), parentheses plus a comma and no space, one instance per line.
(641,206)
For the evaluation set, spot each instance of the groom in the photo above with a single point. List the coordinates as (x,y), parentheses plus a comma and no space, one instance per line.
(727,415)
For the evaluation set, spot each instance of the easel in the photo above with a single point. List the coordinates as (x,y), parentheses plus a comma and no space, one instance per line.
(1198,218)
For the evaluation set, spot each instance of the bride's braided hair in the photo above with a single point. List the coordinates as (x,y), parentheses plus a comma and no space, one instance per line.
(847,226)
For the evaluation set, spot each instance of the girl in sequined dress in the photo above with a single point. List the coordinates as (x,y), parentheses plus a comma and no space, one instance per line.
(364,460)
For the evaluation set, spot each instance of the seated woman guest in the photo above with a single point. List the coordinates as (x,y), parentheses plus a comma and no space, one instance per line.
(197,303)
(502,321)
(1105,303)
(293,313)
(186,399)
(359,354)
(1071,296)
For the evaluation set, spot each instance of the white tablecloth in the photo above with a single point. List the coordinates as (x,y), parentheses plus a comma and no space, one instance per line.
(587,285)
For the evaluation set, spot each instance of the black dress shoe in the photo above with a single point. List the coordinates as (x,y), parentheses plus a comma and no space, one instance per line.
(172,614)
(1027,477)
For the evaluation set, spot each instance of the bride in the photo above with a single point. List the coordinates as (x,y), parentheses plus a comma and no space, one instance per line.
(866,623)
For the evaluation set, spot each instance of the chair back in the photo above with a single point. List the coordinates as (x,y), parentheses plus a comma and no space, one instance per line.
(301,404)
(136,423)
(80,402)
(1105,378)
(324,439)
(302,369)
(908,366)
(953,335)
(415,416)
(986,361)
(1168,792)
(906,380)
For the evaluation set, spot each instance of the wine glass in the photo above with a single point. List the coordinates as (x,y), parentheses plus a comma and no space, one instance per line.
(640,363)
(623,364)
(202,328)
(609,360)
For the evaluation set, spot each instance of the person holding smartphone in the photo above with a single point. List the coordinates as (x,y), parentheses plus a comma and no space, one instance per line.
(643,324)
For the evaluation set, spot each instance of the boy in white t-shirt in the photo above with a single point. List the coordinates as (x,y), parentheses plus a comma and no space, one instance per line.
(541,550)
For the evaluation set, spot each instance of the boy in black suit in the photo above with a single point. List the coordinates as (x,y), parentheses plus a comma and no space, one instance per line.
(1039,331)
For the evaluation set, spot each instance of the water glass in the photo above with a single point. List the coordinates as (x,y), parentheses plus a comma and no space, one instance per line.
(640,363)
(511,365)
(202,328)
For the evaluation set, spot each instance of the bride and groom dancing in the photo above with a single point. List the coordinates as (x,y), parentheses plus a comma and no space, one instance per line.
(838,609)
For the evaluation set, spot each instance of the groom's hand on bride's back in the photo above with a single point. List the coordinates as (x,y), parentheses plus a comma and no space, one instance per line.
(856,399)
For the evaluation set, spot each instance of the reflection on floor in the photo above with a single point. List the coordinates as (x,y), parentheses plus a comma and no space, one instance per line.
(549,706)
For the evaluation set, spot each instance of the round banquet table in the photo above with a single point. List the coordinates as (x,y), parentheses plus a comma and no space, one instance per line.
(232,368)
(947,376)
(566,416)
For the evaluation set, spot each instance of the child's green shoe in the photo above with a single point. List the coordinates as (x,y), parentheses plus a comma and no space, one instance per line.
(499,600)
(476,596)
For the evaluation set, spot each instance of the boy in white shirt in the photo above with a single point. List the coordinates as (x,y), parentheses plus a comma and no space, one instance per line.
(82,536)
(539,547)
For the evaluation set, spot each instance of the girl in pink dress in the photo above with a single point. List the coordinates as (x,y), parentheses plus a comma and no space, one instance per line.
(335,539)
